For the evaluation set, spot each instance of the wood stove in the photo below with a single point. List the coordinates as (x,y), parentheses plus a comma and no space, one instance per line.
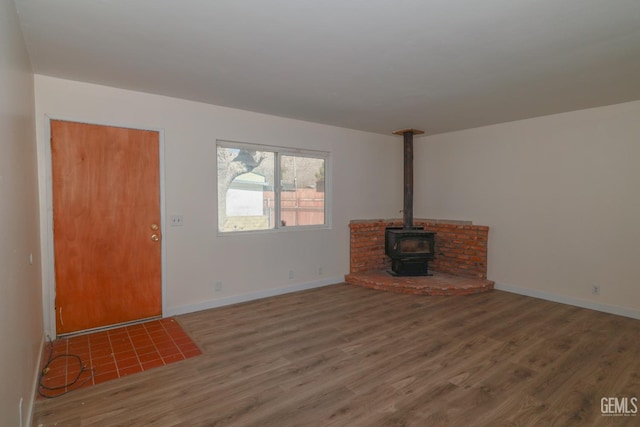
(410,251)
(410,248)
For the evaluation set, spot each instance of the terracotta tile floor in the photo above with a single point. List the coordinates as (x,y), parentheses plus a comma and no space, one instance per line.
(113,354)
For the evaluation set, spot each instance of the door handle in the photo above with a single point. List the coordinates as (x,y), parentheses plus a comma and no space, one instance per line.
(154,227)
(155,237)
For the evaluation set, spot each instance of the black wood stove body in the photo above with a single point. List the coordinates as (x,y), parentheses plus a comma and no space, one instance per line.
(410,251)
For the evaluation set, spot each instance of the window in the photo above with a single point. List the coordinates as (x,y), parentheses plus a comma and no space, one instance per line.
(265,188)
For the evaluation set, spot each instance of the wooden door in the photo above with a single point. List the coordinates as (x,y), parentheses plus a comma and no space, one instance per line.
(106,225)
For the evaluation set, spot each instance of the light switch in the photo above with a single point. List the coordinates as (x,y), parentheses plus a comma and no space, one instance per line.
(176,220)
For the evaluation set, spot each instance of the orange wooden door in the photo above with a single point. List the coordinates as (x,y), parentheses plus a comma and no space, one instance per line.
(106,225)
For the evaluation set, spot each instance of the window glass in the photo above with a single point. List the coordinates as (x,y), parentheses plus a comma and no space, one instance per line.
(263,188)
(302,185)
(245,189)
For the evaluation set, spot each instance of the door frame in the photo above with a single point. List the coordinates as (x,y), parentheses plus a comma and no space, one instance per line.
(49,284)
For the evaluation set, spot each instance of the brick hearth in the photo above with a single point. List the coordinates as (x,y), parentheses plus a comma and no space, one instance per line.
(459,268)
(438,284)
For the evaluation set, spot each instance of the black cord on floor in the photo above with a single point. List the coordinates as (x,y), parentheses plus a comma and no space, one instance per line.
(42,389)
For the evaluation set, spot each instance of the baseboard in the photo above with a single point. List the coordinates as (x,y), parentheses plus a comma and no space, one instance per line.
(606,308)
(174,311)
(34,388)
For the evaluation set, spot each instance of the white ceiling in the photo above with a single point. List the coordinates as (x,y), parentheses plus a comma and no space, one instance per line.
(374,65)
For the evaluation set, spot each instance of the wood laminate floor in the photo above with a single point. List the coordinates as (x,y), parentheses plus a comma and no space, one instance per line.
(343,355)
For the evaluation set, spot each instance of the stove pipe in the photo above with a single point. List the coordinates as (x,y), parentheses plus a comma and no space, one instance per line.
(408,175)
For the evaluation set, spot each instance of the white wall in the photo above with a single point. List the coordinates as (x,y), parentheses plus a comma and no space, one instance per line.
(197,257)
(561,194)
(20,286)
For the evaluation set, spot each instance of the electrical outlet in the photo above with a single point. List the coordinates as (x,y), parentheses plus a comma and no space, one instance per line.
(320,271)
(290,274)
(595,290)
(218,286)
(176,220)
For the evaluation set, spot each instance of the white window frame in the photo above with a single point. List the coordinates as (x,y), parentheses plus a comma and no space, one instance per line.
(280,151)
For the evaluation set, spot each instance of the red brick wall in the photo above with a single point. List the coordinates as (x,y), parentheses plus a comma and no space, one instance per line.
(461,249)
